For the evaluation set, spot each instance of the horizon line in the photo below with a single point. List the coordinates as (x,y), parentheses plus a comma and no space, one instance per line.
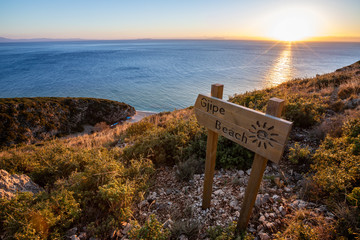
(313,39)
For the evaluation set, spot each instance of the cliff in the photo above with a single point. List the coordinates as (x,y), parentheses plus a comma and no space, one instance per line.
(25,120)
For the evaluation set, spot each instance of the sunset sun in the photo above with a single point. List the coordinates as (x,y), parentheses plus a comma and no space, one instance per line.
(293,25)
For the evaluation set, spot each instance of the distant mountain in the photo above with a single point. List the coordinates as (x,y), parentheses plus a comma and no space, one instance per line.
(2,39)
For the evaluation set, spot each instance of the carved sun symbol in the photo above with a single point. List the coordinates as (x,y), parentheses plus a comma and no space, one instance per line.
(262,134)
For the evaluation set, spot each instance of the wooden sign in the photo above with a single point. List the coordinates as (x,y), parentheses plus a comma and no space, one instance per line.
(265,134)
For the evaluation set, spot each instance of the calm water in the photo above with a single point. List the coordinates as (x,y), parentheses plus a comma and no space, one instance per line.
(160,75)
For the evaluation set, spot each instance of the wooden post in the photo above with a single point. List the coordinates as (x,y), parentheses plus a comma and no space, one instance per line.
(274,108)
(211,146)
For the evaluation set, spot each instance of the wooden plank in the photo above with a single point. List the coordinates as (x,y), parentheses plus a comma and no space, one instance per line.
(261,133)
(246,118)
(274,107)
(211,147)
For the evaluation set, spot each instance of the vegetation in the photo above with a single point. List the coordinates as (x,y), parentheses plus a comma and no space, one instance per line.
(97,180)
(25,120)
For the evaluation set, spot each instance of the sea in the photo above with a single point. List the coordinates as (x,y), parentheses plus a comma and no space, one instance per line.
(161,75)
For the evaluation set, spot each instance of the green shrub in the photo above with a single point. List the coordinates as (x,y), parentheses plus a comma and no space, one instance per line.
(297,154)
(151,229)
(339,157)
(226,233)
(232,155)
(302,114)
(186,170)
(45,216)
(354,197)
(164,144)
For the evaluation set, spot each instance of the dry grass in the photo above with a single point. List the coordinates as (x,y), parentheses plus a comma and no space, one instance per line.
(350,88)
(306,224)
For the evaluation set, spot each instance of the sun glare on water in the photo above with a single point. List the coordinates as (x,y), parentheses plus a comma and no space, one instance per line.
(293,25)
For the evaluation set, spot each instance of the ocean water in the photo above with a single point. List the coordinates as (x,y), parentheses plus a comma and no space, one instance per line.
(160,75)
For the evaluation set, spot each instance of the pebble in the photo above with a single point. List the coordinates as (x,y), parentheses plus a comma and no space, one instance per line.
(264,236)
(219,192)
(71,231)
(276,198)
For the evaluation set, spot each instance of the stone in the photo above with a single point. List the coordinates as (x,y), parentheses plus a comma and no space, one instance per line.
(143,204)
(282,210)
(262,218)
(276,198)
(298,204)
(219,192)
(234,204)
(183,237)
(72,231)
(168,223)
(264,236)
(74,237)
(286,189)
(82,235)
(10,184)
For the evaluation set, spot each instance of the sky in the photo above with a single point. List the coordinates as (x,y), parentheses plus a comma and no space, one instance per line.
(181,19)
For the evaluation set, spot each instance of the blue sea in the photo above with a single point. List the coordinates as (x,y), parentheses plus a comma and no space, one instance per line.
(160,75)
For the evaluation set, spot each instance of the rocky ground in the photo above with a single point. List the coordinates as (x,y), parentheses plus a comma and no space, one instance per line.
(178,204)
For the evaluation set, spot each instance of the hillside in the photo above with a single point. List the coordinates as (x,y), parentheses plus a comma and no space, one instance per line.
(144,180)
(27,120)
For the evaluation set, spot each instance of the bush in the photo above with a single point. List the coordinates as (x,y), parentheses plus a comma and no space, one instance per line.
(152,229)
(45,216)
(297,154)
(339,157)
(186,170)
(303,114)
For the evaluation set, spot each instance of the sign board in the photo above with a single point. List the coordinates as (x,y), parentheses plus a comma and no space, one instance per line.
(264,134)
(261,133)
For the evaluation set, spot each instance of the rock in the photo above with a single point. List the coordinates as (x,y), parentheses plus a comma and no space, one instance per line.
(234,204)
(264,236)
(183,237)
(11,184)
(278,182)
(168,223)
(262,219)
(74,237)
(269,225)
(71,231)
(276,198)
(219,192)
(298,204)
(248,171)
(286,189)
(143,204)
(82,235)
(282,210)
(261,199)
